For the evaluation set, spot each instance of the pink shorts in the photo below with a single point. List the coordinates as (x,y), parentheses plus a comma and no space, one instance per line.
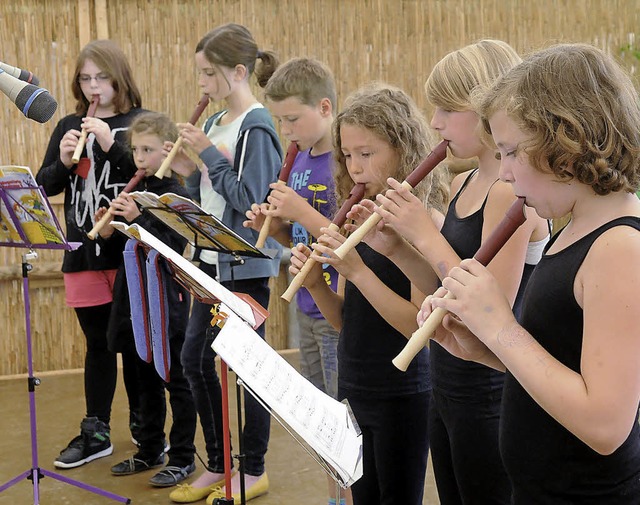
(90,288)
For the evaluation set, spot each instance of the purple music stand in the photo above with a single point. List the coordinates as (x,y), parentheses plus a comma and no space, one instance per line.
(25,215)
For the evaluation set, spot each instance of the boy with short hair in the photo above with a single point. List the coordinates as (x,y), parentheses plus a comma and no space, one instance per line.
(301,95)
(147,135)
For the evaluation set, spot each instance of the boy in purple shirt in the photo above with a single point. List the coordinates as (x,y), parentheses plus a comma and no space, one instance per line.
(301,95)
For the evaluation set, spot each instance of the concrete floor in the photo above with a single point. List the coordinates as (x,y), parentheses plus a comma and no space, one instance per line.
(295,478)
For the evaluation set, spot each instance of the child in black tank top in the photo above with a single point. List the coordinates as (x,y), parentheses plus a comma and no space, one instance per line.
(466,396)
(566,125)
(375,305)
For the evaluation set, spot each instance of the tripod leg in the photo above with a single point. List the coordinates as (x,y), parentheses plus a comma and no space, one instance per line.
(86,487)
(15,480)
(36,473)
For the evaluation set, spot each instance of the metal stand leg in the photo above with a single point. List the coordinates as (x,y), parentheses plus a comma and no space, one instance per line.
(35,473)
(225,424)
(240,456)
(228,499)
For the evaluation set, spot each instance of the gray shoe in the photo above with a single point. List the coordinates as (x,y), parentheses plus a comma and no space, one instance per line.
(137,463)
(172,475)
(93,442)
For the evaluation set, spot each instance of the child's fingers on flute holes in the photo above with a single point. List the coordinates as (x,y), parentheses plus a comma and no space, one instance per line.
(299,255)
(359,213)
(425,310)
(333,234)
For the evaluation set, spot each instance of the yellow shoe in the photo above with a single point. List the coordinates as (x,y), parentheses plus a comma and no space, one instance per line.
(260,487)
(186,493)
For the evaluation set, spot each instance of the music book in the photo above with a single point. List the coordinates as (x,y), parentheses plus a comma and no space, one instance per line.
(199,227)
(324,424)
(26,217)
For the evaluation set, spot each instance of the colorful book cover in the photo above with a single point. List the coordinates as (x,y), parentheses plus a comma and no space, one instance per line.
(24,208)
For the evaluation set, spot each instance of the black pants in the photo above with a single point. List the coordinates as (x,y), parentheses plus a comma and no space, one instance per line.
(395,448)
(153,408)
(199,366)
(464,451)
(100,369)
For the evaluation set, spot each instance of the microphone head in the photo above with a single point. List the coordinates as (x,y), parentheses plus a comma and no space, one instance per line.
(36,103)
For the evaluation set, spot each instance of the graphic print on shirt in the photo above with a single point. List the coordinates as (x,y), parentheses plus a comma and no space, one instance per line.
(316,195)
(88,195)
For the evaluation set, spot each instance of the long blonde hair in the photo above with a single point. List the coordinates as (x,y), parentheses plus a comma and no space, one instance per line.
(455,77)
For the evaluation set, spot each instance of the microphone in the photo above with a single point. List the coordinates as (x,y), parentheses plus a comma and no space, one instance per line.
(34,102)
(23,75)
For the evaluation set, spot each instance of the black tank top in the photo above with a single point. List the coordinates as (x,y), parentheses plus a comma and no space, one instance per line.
(451,376)
(367,343)
(546,463)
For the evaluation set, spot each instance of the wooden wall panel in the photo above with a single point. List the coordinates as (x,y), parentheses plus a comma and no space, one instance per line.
(397,41)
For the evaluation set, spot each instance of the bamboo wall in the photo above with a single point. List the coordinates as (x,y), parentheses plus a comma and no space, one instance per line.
(397,41)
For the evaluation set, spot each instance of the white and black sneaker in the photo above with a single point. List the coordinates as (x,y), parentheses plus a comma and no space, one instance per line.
(93,442)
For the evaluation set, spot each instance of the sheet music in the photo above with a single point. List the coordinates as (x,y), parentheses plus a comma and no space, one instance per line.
(322,422)
(188,272)
(200,228)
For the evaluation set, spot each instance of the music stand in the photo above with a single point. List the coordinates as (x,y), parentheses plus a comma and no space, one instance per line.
(204,231)
(27,221)
(325,428)
(335,454)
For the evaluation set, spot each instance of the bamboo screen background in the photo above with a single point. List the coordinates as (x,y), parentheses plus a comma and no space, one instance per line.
(397,41)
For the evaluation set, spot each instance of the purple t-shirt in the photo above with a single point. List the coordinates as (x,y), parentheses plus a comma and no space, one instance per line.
(312,179)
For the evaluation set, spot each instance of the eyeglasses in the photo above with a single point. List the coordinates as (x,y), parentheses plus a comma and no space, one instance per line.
(84,78)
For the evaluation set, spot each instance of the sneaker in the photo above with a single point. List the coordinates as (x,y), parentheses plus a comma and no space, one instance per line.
(137,463)
(93,442)
(171,475)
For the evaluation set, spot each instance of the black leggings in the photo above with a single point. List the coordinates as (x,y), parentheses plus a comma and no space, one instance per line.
(130,379)
(153,409)
(100,368)
(464,450)
(395,448)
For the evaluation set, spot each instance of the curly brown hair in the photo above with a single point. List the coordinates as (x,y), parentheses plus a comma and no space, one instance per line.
(392,115)
(582,112)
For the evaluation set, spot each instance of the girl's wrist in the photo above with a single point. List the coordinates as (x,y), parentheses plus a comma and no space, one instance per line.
(511,335)
(357,275)
(399,250)
(421,243)
(106,147)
